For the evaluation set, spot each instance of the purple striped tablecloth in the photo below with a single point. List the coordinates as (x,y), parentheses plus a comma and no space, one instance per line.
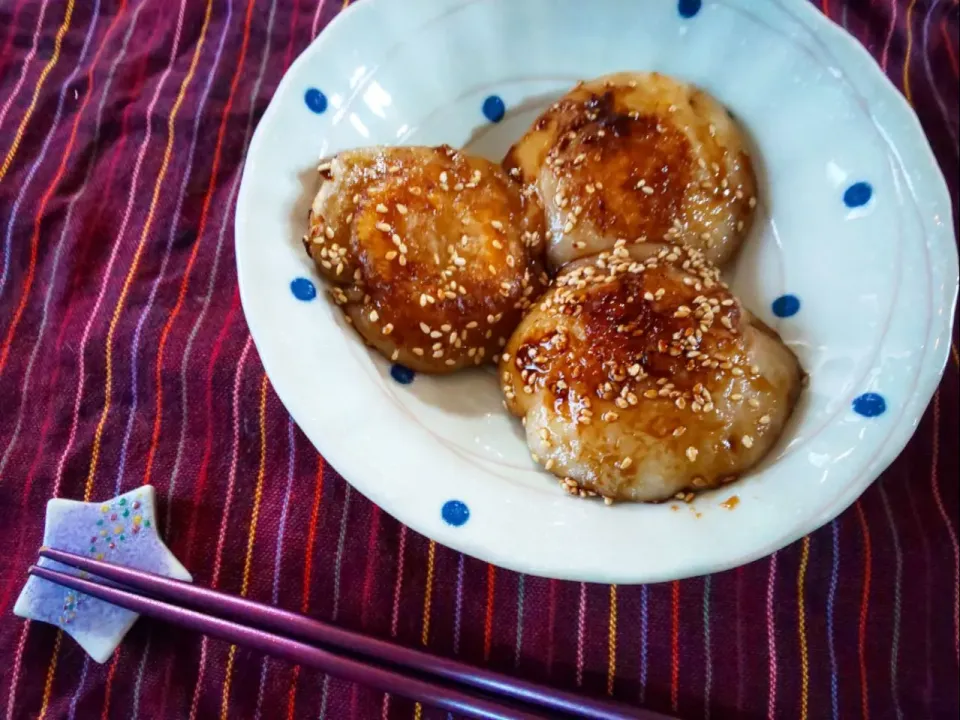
(124,358)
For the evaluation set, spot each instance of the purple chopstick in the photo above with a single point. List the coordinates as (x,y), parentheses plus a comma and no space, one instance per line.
(441,696)
(307,629)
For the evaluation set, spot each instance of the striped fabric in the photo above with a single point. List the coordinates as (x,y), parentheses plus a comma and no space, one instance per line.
(124,359)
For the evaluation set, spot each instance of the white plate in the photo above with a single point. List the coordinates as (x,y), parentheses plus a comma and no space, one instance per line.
(876,280)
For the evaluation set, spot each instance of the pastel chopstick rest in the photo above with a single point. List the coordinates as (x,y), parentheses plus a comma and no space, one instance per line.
(121,531)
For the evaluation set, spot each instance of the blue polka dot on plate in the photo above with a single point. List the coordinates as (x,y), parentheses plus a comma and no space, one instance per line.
(857,195)
(455,513)
(303,289)
(494,109)
(315,100)
(786,306)
(689,8)
(869,405)
(402,374)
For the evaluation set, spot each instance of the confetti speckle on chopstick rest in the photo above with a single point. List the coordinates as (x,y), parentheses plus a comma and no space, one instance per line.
(121,531)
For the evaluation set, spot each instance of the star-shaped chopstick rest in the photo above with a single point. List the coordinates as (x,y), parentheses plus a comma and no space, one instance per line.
(121,531)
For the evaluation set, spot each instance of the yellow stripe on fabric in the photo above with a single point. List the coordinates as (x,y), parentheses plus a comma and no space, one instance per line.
(802,630)
(51,671)
(98,435)
(428,593)
(612,641)
(51,63)
(251,537)
(906,57)
(427,602)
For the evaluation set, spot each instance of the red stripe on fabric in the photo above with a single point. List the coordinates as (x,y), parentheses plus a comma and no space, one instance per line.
(864,611)
(312,535)
(32,473)
(294,16)
(307,575)
(488,621)
(203,474)
(42,208)
(675,647)
(371,561)
(201,229)
(108,686)
(948,43)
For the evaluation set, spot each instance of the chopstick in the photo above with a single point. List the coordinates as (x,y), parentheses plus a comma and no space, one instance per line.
(234,615)
(447,698)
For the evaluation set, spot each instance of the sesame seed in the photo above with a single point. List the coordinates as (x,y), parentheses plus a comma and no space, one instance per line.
(374,316)
(383,227)
(329,232)
(679,431)
(496,225)
(418,351)
(647,190)
(425,328)
(753,402)
(747,441)
(391,255)
(692,453)
(443,177)
(395,355)
(387,329)
(625,463)
(381,208)
(765,420)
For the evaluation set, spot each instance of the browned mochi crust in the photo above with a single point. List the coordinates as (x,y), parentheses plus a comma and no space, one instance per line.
(433,255)
(639,157)
(640,376)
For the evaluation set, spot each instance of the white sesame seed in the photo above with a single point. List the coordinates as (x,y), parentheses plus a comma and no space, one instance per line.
(383,227)
(381,208)
(374,316)
(692,453)
(647,190)
(747,441)
(329,232)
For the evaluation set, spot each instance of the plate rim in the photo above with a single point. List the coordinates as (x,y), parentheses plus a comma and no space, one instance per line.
(915,404)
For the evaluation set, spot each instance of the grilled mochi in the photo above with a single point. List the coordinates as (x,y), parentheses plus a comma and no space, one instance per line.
(639,157)
(640,376)
(433,255)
